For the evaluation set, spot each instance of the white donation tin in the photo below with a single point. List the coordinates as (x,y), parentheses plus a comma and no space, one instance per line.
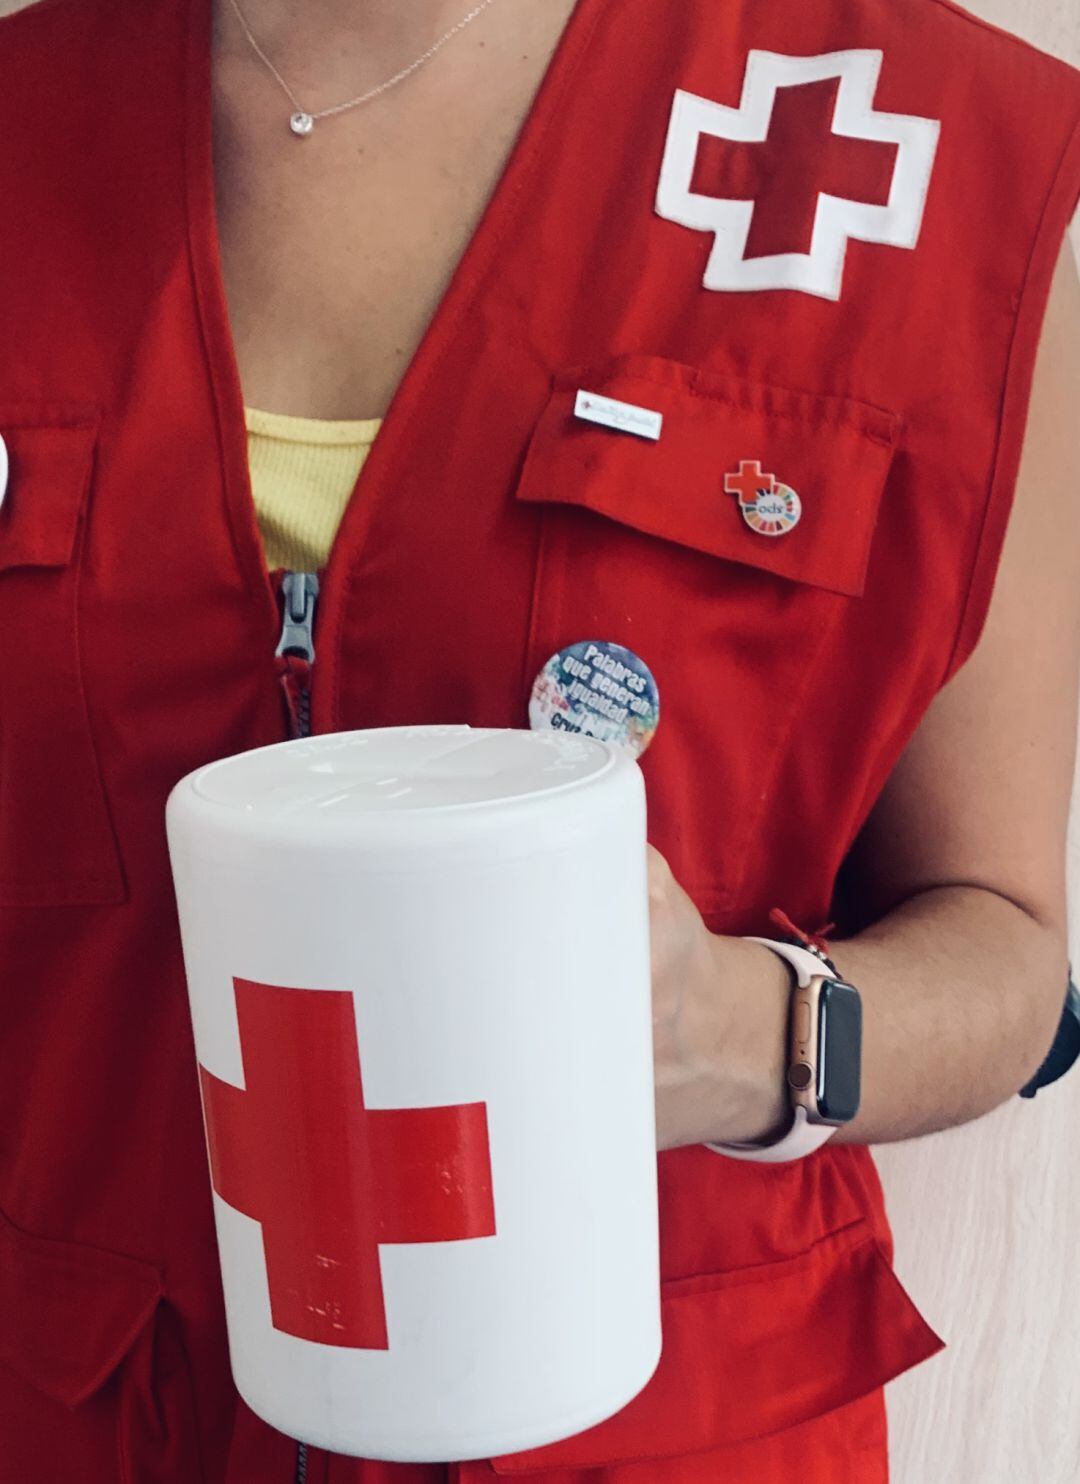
(418,963)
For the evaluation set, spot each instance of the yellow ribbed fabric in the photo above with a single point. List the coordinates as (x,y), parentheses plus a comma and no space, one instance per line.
(303,470)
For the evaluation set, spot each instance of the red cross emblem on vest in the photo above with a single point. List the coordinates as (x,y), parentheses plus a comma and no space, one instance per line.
(328,1179)
(888,157)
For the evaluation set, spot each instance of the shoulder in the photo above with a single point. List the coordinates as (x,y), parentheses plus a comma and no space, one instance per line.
(26,27)
(988,41)
(47,50)
(92,109)
(67,64)
(962,51)
(58,38)
(934,50)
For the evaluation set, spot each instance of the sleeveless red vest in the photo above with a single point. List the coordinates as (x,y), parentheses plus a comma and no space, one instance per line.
(817,237)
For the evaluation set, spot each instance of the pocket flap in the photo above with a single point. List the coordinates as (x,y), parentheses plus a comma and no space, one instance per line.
(834,452)
(748,1353)
(49,451)
(70,1312)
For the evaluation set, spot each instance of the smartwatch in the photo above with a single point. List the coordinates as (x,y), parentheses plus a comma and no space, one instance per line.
(825,1057)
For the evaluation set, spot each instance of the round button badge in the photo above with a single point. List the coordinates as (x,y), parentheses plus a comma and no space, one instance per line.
(600,689)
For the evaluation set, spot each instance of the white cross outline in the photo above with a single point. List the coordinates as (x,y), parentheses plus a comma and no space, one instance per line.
(837,219)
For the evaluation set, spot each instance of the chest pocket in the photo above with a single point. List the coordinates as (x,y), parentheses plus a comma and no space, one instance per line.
(641,544)
(57,846)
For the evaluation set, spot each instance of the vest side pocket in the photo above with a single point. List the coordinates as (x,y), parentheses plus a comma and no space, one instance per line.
(57,844)
(95,1384)
(750,1353)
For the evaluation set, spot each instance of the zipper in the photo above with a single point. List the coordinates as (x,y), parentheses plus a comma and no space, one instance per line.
(295,653)
(295,658)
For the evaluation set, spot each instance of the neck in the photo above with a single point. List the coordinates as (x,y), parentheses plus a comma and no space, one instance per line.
(297,33)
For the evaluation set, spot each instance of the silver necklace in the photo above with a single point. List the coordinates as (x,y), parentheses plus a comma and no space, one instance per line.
(303,120)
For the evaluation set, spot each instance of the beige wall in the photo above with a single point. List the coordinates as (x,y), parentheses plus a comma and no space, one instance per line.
(987,1217)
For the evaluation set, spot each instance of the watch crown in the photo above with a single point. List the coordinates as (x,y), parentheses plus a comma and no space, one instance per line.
(815,950)
(800,1076)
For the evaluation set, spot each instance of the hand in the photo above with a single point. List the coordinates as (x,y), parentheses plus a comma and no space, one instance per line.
(720,1009)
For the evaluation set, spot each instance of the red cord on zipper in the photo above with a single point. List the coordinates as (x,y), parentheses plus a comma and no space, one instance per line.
(815,939)
(294,676)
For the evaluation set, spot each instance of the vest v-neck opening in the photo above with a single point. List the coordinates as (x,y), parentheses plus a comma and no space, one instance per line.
(219,346)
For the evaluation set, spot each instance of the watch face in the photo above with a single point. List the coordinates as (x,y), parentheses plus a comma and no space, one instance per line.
(839,1051)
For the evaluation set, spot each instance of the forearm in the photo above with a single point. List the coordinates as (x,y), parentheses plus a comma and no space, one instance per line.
(961,993)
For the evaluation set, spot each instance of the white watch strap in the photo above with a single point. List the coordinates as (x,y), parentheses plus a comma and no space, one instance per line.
(803,1137)
(805,963)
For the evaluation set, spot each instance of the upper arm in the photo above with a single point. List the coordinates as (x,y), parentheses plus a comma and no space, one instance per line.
(981,794)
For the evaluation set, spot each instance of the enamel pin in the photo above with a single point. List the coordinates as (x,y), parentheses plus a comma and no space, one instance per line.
(768,507)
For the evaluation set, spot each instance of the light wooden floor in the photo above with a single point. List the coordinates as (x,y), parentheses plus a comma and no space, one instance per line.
(987,1217)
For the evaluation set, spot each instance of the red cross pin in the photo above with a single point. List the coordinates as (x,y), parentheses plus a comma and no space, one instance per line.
(328,1179)
(749,482)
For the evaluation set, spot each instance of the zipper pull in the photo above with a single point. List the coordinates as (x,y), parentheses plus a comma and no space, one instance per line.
(295,653)
(299,591)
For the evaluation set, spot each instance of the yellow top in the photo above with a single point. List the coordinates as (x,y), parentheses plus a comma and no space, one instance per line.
(303,471)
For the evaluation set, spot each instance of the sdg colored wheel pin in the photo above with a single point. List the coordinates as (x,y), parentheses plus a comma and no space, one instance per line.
(768,507)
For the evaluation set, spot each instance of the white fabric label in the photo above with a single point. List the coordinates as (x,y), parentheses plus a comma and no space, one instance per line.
(622,415)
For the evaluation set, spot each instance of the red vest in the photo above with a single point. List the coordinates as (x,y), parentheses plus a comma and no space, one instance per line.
(835,267)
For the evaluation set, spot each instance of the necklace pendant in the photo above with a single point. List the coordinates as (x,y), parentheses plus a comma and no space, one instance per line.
(301,124)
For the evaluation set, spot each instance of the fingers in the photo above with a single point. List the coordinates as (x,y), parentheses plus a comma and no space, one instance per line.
(660,876)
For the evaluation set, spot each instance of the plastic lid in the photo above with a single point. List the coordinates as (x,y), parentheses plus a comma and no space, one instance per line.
(345,774)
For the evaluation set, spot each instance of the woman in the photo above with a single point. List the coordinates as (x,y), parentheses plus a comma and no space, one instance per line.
(821,242)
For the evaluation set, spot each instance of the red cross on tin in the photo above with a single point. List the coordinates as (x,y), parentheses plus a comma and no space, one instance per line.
(328,1179)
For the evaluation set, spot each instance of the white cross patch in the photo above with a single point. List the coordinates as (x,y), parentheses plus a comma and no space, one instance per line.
(837,220)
